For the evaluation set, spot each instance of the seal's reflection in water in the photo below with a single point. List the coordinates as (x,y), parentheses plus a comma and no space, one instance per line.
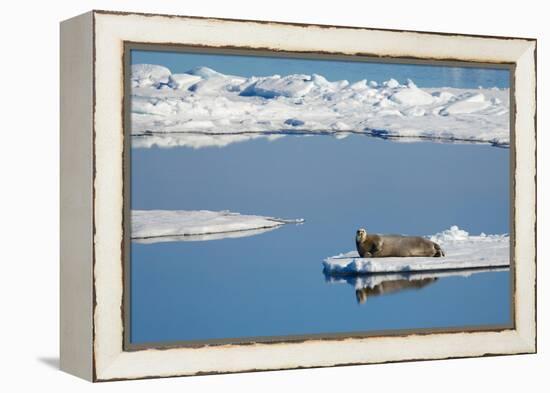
(390,286)
(376,284)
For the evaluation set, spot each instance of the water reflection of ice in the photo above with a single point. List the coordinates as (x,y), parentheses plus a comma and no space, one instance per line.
(198,140)
(203,237)
(370,285)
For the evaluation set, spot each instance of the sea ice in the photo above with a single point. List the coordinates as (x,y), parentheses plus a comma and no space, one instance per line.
(152,226)
(204,108)
(275,86)
(470,104)
(145,75)
(412,96)
(462,251)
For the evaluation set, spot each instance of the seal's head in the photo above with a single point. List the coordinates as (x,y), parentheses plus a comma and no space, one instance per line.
(361,235)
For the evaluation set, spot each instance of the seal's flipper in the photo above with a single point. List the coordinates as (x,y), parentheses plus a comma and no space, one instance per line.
(438,251)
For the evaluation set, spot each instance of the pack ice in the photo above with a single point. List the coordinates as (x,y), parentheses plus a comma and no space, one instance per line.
(203,107)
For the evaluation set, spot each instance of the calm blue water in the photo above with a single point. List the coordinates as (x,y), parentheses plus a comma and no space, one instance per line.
(272,284)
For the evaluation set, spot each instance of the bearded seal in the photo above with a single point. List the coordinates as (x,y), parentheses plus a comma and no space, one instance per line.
(373,245)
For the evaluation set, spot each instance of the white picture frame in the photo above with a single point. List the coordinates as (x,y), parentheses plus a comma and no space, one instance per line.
(92,194)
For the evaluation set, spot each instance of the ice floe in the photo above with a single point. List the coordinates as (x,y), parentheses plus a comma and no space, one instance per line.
(462,251)
(203,108)
(153,226)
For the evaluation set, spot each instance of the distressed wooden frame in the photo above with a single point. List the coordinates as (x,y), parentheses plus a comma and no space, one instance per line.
(92,195)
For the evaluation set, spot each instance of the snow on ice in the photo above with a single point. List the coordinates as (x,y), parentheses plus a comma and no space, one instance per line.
(152,226)
(462,251)
(203,107)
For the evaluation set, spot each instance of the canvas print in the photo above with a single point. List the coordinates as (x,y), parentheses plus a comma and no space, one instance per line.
(277,197)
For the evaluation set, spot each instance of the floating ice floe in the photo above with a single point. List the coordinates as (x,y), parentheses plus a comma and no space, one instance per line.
(153,226)
(462,251)
(203,108)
